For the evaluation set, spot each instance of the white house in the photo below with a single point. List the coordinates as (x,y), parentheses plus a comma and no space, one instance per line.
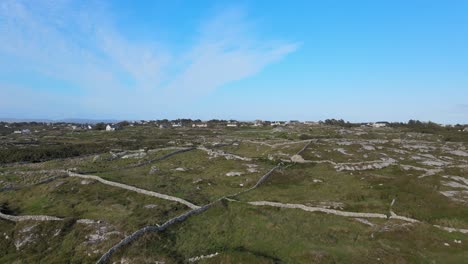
(277,123)
(310,123)
(110,128)
(258,123)
(377,125)
(176,124)
(231,124)
(200,125)
(17,132)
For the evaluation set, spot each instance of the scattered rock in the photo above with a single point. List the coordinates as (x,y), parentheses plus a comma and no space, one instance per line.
(252,170)
(297,159)
(342,151)
(195,259)
(197,181)
(233,173)
(138,155)
(153,170)
(86,221)
(458,153)
(368,147)
(364,221)
(85,182)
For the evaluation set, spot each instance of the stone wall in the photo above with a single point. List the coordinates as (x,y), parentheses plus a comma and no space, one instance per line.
(19,218)
(135,189)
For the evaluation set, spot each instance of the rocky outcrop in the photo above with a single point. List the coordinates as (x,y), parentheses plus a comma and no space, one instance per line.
(195,259)
(214,153)
(450,229)
(178,151)
(375,165)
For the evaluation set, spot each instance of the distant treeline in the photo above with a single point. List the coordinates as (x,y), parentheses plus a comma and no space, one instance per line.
(48,152)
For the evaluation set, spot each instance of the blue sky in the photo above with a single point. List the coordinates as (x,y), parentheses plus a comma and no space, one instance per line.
(307,60)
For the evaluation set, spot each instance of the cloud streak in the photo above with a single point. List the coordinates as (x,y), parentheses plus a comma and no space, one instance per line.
(117,77)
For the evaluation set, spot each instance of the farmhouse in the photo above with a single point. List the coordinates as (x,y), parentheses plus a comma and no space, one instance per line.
(277,123)
(231,124)
(258,123)
(377,124)
(112,127)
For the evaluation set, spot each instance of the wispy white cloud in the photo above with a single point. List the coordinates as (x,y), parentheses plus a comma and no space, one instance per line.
(226,51)
(78,43)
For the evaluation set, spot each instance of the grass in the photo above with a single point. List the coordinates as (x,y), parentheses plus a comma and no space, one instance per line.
(69,198)
(264,235)
(239,232)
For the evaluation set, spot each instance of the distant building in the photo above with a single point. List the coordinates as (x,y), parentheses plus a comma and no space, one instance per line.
(111,127)
(309,123)
(25,131)
(377,124)
(200,125)
(17,132)
(231,124)
(293,122)
(162,126)
(177,124)
(277,123)
(258,123)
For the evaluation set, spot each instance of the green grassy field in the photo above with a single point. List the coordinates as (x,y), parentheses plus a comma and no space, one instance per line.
(426,181)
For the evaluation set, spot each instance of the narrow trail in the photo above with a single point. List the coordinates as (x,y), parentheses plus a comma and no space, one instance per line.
(137,234)
(134,189)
